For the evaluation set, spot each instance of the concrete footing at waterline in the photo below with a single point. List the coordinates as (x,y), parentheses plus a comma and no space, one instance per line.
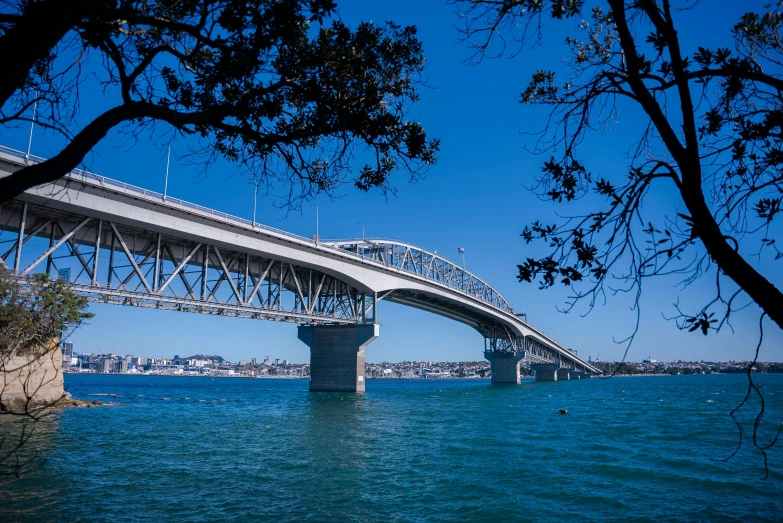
(545,371)
(504,366)
(32,379)
(337,355)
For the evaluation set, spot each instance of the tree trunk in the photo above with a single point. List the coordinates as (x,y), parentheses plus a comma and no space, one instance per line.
(760,290)
(730,261)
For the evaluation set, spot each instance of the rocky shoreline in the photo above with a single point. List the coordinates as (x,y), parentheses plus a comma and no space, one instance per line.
(20,405)
(70,402)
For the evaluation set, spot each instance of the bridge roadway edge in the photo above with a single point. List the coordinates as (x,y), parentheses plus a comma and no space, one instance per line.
(105,203)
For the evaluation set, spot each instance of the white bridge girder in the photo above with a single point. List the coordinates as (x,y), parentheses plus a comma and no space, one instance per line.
(129,246)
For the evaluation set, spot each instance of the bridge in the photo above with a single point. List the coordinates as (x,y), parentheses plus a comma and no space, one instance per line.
(120,244)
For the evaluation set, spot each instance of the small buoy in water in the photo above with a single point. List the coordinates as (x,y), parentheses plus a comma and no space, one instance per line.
(563,411)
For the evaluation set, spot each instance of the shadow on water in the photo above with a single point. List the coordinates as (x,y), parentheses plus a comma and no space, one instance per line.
(25,447)
(330,440)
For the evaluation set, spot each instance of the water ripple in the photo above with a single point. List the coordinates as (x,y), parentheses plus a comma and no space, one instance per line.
(645,449)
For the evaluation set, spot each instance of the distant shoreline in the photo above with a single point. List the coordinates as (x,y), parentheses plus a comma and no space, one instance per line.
(523,378)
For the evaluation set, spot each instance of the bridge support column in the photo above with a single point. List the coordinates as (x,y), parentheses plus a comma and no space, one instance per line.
(337,355)
(564,373)
(546,371)
(504,365)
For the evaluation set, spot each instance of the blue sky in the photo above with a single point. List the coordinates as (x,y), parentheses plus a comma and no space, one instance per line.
(475,197)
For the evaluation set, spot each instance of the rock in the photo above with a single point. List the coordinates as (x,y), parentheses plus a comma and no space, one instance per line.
(42,367)
(90,405)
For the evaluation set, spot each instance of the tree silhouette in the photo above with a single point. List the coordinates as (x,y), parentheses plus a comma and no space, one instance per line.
(290,95)
(711,142)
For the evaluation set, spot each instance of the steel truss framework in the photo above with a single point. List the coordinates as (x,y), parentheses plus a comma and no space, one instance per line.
(110,263)
(501,339)
(408,258)
(498,336)
(148,270)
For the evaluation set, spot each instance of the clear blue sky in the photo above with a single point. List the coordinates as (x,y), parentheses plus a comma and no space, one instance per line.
(473,198)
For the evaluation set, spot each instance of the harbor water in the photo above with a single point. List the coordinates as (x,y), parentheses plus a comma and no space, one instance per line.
(629,449)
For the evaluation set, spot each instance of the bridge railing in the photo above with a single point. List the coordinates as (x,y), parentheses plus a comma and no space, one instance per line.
(103,181)
(158,198)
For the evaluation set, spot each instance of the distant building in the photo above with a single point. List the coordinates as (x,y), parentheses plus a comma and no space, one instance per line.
(67,349)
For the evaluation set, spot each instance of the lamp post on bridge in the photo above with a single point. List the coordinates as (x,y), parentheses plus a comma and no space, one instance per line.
(255,201)
(166,184)
(32,125)
(461,250)
(317,233)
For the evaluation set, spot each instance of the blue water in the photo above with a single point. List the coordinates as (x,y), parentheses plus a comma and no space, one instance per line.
(630,449)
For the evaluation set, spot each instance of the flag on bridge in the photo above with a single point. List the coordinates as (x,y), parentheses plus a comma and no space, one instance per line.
(461,250)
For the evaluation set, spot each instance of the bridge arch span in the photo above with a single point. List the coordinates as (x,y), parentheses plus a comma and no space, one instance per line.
(180,256)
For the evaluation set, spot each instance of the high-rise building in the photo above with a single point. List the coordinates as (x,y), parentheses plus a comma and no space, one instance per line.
(67,350)
(254,362)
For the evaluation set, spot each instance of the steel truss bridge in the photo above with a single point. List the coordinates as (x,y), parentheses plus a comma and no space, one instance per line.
(120,244)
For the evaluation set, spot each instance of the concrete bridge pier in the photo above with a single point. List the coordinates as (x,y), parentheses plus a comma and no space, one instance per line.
(337,355)
(564,373)
(546,371)
(504,366)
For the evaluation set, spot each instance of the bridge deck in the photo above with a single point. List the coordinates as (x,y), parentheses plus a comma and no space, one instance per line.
(171,254)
